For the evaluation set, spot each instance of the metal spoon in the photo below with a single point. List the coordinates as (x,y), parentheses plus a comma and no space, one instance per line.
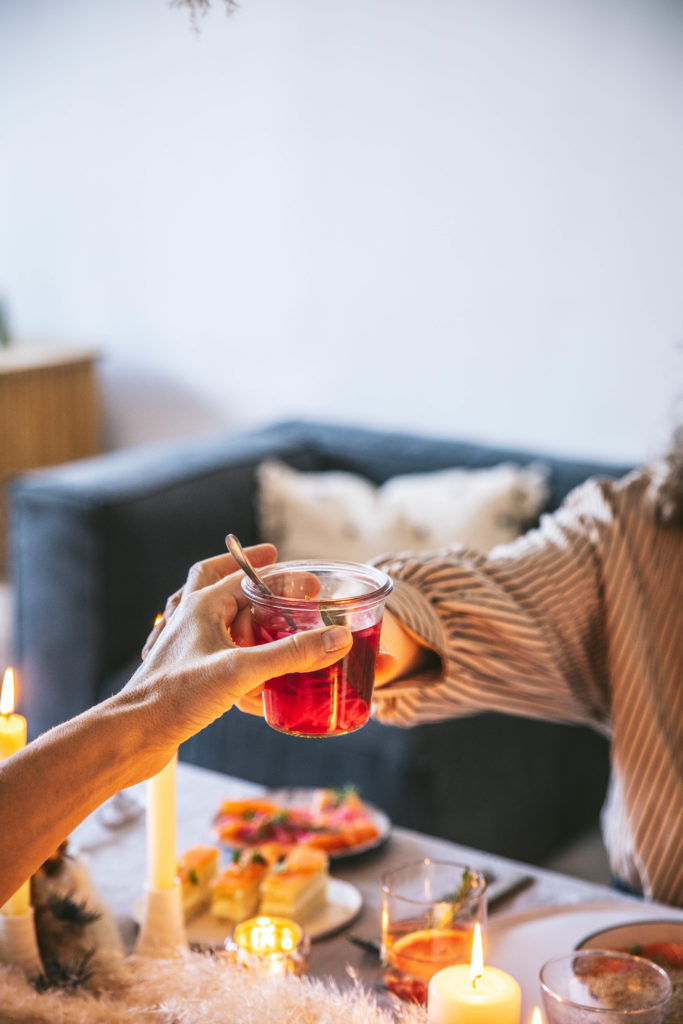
(239,554)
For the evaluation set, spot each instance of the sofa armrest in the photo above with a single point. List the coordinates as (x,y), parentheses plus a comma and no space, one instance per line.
(98,545)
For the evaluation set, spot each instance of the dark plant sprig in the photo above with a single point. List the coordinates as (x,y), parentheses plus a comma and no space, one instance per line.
(68,976)
(71,912)
(202,7)
(458,895)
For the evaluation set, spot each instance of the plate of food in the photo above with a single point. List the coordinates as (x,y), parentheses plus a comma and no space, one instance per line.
(658,940)
(272,880)
(334,820)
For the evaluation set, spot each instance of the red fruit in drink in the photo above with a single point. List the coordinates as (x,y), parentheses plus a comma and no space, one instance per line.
(329,702)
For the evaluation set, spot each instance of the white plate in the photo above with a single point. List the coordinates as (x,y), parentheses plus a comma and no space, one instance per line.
(520,943)
(343,904)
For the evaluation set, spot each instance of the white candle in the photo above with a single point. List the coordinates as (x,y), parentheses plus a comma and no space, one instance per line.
(473,994)
(12,739)
(161,828)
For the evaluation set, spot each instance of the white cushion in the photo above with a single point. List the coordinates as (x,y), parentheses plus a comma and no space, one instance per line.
(343,516)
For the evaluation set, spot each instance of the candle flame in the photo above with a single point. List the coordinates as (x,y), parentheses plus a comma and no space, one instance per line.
(159,618)
(477,963)
(7,694)
(536,1016)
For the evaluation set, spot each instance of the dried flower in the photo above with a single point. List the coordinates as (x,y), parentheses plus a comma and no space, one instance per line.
(202,6)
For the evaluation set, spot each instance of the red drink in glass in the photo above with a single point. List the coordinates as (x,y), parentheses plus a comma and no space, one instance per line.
(307,595)
(329,702)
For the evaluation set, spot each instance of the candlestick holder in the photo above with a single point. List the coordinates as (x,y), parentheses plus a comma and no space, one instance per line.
(18,943)
(162,929)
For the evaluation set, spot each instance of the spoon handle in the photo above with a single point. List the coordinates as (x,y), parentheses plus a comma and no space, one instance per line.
(239,554)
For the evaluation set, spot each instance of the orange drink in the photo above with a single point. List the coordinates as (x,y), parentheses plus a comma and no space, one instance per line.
(429,909)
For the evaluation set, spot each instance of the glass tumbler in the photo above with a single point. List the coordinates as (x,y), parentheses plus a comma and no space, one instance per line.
(307,595)
(429,910)
(597,986)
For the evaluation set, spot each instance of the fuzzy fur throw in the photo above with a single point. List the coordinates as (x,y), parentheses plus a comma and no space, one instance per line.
(193,988)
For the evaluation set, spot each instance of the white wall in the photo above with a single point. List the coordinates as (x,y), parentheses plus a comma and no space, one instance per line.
(461,216)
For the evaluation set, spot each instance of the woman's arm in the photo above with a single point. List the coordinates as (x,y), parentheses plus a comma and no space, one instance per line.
(518,631)
(191,675)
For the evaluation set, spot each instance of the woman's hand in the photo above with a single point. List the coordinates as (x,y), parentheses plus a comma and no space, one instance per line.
(399,653)
(193,670)
(212,570)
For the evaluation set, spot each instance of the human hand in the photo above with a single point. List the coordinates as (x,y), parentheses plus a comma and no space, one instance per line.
(193,670)
(211,570)
(301,585)
(399,652)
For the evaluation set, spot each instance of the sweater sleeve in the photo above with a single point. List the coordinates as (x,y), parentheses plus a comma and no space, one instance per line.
(520,630)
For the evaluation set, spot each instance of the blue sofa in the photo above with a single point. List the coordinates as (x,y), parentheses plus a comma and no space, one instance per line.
(97,545)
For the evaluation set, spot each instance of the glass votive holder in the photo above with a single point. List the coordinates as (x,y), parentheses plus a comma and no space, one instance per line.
(598,986)
(272,945)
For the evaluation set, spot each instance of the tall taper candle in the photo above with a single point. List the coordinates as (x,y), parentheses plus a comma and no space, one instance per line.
(161,828)
(12,739)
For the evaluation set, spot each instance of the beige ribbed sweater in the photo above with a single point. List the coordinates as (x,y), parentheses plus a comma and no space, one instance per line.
(577,621)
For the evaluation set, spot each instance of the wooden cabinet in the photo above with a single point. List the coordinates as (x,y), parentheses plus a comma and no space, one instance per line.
(49,413)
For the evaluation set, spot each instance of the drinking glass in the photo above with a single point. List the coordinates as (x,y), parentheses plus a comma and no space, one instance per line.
(306,595)
(601,987)
(429,910)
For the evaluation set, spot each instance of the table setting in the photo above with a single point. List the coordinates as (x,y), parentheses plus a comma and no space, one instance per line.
(199,896)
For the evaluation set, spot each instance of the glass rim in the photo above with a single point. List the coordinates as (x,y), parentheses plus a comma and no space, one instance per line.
(383,585)
(639,961)
(388,890)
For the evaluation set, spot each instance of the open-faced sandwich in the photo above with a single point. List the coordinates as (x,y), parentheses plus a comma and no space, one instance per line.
(333,820)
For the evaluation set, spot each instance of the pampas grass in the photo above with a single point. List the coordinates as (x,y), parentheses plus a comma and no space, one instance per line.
(194,988)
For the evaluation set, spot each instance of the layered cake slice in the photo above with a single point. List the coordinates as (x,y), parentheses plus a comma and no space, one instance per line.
(236,892)
(196,868)
(296,886)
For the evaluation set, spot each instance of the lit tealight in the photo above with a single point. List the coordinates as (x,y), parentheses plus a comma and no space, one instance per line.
(272,944)
(536,1016)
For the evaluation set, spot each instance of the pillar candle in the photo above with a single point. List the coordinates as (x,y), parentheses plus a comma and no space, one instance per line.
(12,739)
(161,828)
(495,997)
(473,993)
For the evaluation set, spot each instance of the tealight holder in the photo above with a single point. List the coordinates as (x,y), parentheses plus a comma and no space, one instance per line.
(18,943)
(273,945)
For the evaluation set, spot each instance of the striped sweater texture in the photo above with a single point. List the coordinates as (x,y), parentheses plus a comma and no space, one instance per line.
(577,621)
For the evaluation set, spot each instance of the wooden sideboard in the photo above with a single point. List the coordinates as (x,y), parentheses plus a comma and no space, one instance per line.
(49,413)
